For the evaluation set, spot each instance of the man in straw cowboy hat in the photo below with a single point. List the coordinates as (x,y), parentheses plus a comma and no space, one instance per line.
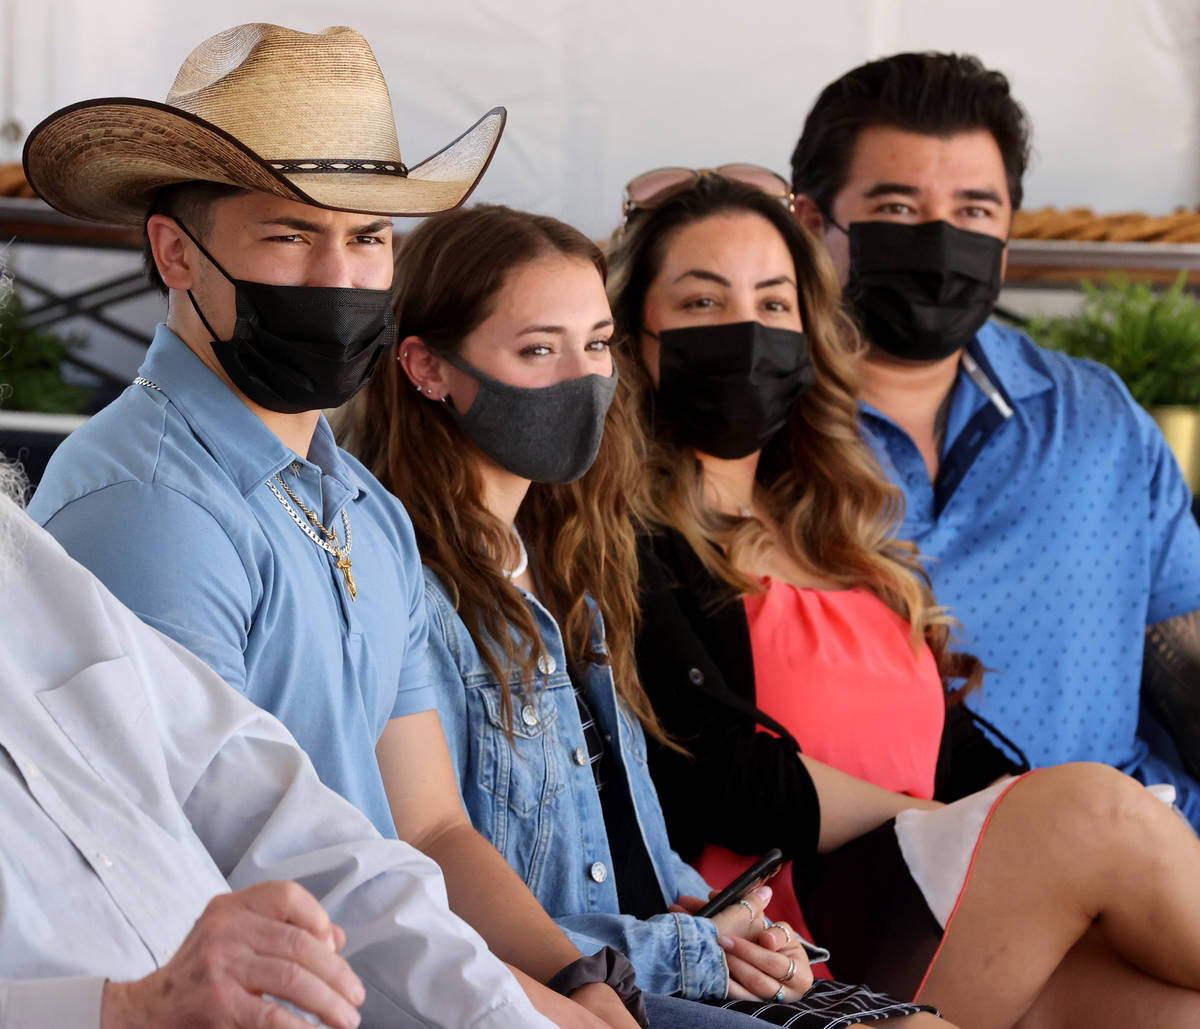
(211,497)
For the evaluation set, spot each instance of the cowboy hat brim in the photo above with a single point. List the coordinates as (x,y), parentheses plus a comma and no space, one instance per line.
(102,160)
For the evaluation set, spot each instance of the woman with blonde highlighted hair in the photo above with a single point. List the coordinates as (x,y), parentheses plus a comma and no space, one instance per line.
(791,644)
(503,426)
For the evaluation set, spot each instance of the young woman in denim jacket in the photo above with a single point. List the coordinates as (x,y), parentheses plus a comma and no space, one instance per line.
(777,597)
(503,428)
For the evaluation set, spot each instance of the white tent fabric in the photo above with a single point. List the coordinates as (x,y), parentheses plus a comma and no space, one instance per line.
(598,91)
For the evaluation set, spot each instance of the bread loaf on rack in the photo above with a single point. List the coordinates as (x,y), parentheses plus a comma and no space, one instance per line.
(12,182)
(1081,224)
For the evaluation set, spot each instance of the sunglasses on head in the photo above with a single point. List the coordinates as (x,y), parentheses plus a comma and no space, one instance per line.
(652,188)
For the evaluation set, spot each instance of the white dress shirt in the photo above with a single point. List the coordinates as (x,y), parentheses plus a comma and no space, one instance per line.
(135,785)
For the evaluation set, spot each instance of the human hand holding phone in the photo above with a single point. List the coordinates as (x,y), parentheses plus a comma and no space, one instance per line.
(766,961)
(744,920)
(759,960)
(756,875)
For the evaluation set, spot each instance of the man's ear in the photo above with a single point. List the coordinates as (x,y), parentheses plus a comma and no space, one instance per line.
(809,214)
(171,252)
(425,370)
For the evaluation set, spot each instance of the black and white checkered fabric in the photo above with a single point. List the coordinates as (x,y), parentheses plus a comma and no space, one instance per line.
(829,1005)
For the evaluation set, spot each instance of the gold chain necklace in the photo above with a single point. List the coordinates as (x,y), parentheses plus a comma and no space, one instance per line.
(330,543)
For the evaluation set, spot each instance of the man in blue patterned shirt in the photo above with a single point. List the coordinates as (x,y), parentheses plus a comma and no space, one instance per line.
(1057,521)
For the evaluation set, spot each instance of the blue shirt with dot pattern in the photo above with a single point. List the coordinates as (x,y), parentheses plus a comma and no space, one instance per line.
(1069,533)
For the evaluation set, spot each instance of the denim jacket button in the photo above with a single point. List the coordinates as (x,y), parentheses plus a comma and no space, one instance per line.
(598,872)
(529,715)
(546,664)
(696,676)
(580,756)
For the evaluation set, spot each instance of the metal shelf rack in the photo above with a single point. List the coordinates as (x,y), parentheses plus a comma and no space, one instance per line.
(1058,264)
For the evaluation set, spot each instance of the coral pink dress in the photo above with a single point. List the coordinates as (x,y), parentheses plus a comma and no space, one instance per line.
(870,705)
(838,669)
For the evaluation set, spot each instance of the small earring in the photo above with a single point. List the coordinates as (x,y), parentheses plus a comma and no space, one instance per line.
(418,385)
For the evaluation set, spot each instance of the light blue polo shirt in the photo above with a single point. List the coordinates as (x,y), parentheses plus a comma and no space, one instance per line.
(1068,533)
(164,496)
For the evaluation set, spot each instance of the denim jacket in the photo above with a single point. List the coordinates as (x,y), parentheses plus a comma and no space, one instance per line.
(536,801)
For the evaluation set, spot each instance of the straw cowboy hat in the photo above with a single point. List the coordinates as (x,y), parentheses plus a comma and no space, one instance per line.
(306,116)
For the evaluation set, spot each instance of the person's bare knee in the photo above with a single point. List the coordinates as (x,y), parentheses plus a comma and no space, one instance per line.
(1097,791)
(1084,807)
(1100,842)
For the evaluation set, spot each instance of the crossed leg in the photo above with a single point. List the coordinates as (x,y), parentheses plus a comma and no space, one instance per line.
(1085,894)
(1126,995)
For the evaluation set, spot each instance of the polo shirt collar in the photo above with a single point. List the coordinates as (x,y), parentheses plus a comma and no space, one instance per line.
(1008,364)
(1011,369)
(246,449)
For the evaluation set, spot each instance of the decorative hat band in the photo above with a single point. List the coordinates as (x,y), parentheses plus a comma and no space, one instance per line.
(314,165)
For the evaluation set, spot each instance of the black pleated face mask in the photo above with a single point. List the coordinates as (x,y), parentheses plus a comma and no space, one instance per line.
(725,390)
(921,292)
(301,348)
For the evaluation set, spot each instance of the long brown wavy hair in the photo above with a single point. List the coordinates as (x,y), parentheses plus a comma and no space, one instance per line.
(449,273)
(818,480)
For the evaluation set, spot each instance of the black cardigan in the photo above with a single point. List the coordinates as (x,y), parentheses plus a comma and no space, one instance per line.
(740,788)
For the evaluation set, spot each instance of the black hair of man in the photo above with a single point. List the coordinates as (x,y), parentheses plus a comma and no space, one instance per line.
(933,94)
(190,203)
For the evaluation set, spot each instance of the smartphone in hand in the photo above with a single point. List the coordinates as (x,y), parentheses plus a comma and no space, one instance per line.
(757,874)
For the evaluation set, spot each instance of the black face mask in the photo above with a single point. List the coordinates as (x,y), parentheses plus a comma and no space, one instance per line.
(921,292)
(727,389)
(544,434)
(301,348)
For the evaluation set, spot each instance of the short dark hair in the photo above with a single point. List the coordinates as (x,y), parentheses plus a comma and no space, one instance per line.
(930,93)
(190,203)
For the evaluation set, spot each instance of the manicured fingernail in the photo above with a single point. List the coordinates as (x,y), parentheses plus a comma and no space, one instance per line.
(726,942)
(764,892)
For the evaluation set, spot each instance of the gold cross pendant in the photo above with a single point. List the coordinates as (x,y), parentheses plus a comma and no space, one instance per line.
(343,563)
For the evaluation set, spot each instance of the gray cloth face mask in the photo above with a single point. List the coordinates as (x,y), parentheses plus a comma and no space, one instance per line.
(544,434)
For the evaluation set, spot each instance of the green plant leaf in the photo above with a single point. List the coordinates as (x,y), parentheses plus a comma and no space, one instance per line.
(31,366)
(1150,338)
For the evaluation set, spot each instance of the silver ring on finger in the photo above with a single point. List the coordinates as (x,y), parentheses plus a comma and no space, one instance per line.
(749,907)
(778,998)
(790,972)
(787,933)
